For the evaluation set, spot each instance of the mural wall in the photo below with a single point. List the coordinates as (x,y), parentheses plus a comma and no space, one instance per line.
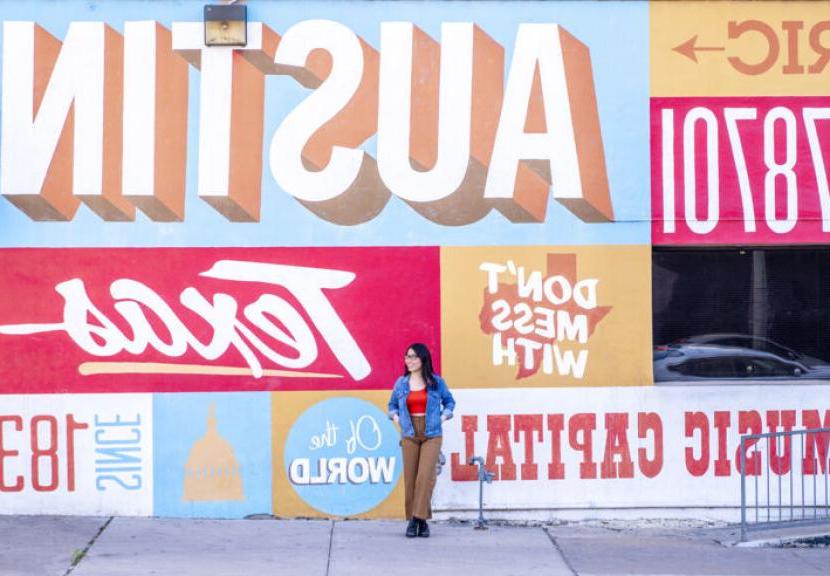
(213,259)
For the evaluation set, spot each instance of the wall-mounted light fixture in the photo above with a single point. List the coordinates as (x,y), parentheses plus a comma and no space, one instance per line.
(226,25)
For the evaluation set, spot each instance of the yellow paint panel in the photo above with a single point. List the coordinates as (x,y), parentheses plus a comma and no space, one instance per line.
(616,353)
(740,48)
(286,407)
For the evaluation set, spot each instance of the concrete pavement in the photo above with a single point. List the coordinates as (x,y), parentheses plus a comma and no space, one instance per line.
(43,544)
(692,552)
(84,546)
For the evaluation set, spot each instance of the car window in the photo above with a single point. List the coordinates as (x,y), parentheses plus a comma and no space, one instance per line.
(766,367)
(720,367)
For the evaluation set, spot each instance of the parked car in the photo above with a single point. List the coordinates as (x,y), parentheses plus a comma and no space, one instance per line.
(753,342)
(694,362)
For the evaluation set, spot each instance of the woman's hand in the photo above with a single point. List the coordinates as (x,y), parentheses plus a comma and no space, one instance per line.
(396,419)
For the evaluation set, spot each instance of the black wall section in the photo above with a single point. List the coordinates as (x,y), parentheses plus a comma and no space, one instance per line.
(779,294)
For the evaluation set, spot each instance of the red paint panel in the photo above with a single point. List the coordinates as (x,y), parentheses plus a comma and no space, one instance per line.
(745,170)
(209,319)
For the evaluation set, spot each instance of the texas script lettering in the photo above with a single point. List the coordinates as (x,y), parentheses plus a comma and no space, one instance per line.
(271,315)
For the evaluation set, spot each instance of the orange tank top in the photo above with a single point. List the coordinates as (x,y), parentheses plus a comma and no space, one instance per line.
(416,402)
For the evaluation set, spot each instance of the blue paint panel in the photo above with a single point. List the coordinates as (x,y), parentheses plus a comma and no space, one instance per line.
(191,472)
(616,33)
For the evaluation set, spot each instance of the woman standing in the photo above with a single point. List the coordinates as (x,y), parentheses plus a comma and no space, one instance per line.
(420,403)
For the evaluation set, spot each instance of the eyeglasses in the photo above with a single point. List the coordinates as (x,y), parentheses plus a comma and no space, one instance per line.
(410,356)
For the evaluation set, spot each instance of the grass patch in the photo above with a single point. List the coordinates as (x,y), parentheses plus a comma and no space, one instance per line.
(77,556)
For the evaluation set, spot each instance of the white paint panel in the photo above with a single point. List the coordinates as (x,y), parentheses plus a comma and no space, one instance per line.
(18,177)
(673,486)
(29,141)
(215,121)
(536,44)
(111,457)
(395,112)
(216,88)
(139,108)
(287,143)
(86,42)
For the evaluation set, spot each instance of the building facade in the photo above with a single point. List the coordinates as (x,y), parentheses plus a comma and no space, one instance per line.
(607,220)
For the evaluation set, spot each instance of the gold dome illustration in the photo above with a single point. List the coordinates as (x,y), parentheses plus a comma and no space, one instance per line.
(212,471)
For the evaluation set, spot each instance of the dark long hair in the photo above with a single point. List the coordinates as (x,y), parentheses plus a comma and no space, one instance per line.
(426,364)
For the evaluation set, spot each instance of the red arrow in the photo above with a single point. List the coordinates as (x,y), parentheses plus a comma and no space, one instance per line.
(688,49)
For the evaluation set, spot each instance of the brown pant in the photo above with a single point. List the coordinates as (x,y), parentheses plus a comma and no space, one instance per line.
(420,457)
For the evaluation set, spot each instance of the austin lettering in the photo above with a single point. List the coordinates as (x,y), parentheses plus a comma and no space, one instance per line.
(456,144)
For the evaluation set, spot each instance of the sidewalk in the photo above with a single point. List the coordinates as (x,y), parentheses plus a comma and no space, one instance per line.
(47,546)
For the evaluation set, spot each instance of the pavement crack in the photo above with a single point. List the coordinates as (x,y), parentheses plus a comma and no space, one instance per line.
(331,541)
(561,553)
(77,556)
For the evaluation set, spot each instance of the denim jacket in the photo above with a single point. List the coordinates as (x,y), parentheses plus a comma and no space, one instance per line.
(440,403)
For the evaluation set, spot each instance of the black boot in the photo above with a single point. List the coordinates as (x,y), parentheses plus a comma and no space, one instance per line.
(423,528)
(412,528)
